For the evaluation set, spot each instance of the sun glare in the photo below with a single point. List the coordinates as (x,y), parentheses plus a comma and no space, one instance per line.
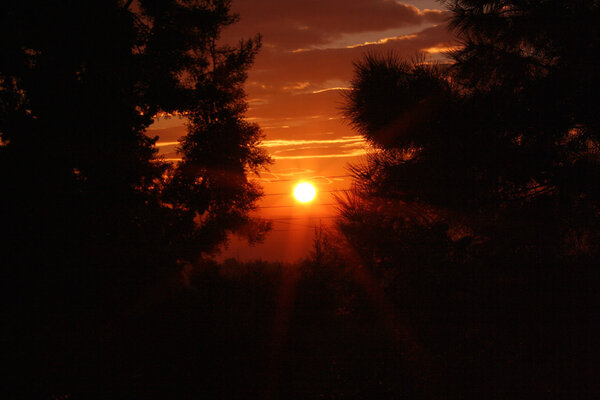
(304,192)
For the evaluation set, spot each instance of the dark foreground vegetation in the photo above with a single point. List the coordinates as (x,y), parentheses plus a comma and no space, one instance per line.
(466,259)
(322,328)
(231,330)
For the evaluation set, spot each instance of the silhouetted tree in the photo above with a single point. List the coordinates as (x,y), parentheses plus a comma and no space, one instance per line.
(528,68)
(91,214)
(80,84)
(482,192)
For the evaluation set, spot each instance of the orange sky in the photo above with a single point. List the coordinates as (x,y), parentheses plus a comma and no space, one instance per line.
(295,94)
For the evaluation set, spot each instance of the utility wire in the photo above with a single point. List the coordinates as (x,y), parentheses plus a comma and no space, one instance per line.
(288,218)
(295,224)
(320,191)
(295,205)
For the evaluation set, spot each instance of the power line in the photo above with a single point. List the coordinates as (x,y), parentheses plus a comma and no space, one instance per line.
(320,191)
(295,205)
(287,230)
(288,218)
(295,224)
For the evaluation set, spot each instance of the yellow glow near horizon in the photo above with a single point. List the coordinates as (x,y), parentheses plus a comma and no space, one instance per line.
(304,192)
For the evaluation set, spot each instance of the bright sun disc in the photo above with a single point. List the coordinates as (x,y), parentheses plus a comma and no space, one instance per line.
(304,192)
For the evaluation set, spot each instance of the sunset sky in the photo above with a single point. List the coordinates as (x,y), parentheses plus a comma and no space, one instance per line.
(295,94)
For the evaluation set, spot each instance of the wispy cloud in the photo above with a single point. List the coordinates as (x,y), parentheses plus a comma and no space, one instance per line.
(355,153)
(164,144)
(298,142)
(383,41)
(441,48)
(299,24)
(330,89)
(285,174)
(297,149)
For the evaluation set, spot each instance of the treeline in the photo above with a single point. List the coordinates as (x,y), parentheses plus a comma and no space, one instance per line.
(330,326)
(251,330)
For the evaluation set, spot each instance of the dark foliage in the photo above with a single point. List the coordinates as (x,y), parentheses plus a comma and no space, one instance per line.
(233,330)
(479,209)
(83,186)
(92,217)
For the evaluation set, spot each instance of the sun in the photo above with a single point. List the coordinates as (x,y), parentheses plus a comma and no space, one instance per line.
(304,192)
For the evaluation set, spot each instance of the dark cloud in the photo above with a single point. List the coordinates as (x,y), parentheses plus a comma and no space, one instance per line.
(294,24)
(279,69)
(291,85)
